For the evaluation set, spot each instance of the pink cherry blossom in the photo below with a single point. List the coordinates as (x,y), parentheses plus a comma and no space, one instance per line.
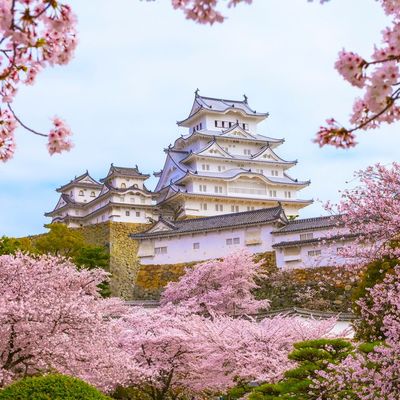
(34,34)
(218,286)
(52,318)
(59,137)
(7,128)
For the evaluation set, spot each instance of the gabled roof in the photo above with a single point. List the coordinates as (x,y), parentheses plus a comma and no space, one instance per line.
(218,134)
(217,222)
(267,150)
(203,103)
(237,127)
(63,202)
(306,224)
(84,180)
(124,171)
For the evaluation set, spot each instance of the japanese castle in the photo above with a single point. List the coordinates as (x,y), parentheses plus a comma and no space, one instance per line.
(222,172)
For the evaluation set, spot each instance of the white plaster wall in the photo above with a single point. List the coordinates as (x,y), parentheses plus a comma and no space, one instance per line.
(212,245)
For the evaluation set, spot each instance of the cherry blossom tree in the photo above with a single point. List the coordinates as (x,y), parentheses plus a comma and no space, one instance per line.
(371,212)
(185,354)
(53,319)
(371,374)
(34,34)
(218,286)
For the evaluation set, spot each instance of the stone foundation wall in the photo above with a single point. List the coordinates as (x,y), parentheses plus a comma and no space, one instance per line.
(124,263)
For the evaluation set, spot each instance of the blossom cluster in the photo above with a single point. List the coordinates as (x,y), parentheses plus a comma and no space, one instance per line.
(204,11)
(7,141)
(378,78)
(34,34)
(59,137)
(373,374)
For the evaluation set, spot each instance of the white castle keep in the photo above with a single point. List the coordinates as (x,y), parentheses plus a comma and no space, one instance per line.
(222,185)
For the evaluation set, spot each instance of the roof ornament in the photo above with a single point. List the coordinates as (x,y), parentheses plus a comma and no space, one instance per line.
(196,92)
(245,98)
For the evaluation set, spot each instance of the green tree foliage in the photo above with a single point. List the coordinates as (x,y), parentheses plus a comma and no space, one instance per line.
(60,241)
(51,387)
(311,356)
(11,245)
(374,274)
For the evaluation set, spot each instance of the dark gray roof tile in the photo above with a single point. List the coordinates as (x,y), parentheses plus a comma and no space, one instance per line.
(306,224)
(217,222)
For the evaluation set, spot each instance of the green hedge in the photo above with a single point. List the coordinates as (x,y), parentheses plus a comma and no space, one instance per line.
(51,387)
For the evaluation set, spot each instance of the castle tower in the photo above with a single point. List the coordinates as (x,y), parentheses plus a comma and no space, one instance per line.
(120,197)
(223,165)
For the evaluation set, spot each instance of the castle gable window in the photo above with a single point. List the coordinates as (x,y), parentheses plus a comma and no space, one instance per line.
(92,194)
(160,250)
(306,236)
(123,185)
(81,193)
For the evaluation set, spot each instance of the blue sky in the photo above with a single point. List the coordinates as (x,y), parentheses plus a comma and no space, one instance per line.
(134,74)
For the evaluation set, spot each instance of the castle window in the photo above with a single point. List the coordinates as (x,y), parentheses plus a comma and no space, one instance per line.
(142,200)
(203,188)
(160,250)
(245,127)
(288,194)
(132,199)
(81,193)
(250,208)
(272,193)
(219,207)
(306,236)
(196,246)
(274,172)
(229,242)
(223,124)
(127,213)
(138,213)
(216,123)
(201,125)
(236,240)
(230,124)
(203,206)
(314,253)
(235,208)
(122,198)
(123,186)
(218,189)
(92,194)
(247,151)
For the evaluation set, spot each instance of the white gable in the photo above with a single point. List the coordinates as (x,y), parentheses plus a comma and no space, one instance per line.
(160,226)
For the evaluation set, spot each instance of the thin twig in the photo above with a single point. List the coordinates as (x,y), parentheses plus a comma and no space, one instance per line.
(23,125)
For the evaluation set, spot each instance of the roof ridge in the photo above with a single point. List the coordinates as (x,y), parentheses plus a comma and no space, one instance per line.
(295,221)
(230,214)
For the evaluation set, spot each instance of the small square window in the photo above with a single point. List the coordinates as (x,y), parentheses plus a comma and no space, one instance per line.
(127,213)
(229,242)
(236,240)
(138,213)
(196,246)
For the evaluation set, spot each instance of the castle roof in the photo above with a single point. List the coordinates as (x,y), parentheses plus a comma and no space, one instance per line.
(209,134)
(124,171)
(236,172)
(212,104)
(84,180)
(218,222)
(306,224)
(335,238)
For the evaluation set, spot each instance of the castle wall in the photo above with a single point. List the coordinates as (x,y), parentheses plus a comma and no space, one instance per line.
(124,263)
